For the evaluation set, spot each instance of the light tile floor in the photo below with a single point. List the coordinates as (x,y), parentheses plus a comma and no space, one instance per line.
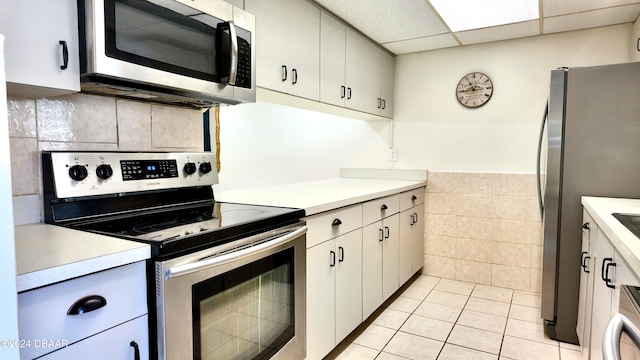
(433,318)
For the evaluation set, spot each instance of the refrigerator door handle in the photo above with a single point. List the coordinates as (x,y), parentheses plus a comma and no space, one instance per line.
(540,139)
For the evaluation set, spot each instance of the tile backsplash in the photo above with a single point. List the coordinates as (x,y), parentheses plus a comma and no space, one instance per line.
(484,228)
(88,122)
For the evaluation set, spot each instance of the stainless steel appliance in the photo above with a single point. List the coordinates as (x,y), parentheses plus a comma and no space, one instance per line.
(181,52)
(226,281)
(622,335)
(592,128)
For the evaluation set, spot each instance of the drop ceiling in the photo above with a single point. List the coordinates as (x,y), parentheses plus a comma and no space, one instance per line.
(407,26)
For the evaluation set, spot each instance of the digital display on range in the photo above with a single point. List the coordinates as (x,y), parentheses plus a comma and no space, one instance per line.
(148,169)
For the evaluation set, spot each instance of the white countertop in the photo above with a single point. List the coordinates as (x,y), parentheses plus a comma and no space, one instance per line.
(624,241)
(318,196)
(46,254)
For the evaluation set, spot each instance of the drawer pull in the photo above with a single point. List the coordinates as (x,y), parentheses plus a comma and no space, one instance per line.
(384,207)
(336,222)
(414,198)
(87,304)
(136,350)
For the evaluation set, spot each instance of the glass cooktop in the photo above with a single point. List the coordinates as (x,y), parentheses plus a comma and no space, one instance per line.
(189,227)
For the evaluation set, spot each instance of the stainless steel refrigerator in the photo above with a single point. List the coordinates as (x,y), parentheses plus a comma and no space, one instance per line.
(593,149)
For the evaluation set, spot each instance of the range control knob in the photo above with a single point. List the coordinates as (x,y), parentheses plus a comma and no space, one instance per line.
(78,172)
(190,168)
(205,167)
(104,171)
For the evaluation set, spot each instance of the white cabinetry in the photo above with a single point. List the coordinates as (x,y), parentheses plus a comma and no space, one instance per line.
(609,272)
(355,73)
(587,272)
(380,251)
(77,312)
(411,234)
(334,278)
(37,35)
(288,46)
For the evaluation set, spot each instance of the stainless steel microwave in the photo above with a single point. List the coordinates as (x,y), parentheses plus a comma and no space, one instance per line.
(195,53)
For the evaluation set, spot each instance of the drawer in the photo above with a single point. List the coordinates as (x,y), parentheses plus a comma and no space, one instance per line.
(378,209)
(327,225)
(124,289)
(112,344)
(411,198)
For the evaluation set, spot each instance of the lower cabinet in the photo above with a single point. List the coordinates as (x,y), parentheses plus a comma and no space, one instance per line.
(334,292)
(587,273)
(380,257)
(411,247)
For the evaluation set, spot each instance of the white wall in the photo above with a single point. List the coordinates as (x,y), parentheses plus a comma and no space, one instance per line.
(266,144)
(433,131)
(8,299)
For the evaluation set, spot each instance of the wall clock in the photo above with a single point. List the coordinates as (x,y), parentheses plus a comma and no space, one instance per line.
(474,90)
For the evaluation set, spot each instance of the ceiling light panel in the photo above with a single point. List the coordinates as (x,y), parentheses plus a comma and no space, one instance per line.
(461,15)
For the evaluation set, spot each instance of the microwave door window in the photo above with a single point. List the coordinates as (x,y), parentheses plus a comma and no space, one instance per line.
(153,36)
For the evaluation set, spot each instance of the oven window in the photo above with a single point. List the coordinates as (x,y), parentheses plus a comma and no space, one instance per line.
(246,313)
(175,40)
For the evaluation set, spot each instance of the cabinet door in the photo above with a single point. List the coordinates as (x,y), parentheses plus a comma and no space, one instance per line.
(390,254)
(586,286)
(348,283)
(118,343)
(303,38)
(362,73)
(332,60)
(33,31)
(321,265)
(406,250)
(602,295)
(418,238)
(372,245)
(271,43)
(387,78)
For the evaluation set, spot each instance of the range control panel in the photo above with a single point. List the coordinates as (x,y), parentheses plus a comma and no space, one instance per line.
(76,174)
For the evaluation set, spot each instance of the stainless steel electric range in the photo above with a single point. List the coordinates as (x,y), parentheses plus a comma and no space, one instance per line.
(226,281)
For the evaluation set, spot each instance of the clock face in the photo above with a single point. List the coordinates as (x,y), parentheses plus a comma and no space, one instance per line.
(474,90)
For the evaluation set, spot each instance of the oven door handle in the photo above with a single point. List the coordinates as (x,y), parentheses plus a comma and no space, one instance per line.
(233,256)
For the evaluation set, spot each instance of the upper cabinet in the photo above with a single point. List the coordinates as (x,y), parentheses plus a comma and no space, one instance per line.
(355,73)
(41,47)
(288,46)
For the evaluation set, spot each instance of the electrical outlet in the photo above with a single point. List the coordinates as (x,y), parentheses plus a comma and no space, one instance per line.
(393,154)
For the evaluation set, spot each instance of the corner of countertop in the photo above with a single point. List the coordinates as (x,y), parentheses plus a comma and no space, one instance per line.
(386,174)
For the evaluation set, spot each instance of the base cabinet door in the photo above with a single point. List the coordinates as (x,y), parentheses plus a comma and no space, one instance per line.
(411,242)
(321,310)
(390,255)
(348,283)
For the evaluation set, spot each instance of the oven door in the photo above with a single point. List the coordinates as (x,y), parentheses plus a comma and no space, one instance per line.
(199,47)
(242,300)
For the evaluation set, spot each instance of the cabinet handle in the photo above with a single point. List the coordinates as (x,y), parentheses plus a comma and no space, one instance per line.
(136,350)
(295,76)
(605,272)
(348,93)
(583,261)
(379,103)
(585,226)
(384,104)
(87,304)
(341,251)
(333,258)
(336,222)
(343,92)
(414,198)
(284,72)
(383,207)
(416,215)
(65,55)
(381,233)
(387,232)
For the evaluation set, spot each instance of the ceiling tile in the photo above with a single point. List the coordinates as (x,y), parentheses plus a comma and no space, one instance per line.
(591,19)
(497,33)
(421,44)
(564,7)
(386,21)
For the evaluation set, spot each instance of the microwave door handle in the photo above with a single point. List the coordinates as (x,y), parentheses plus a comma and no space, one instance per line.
(233,71)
